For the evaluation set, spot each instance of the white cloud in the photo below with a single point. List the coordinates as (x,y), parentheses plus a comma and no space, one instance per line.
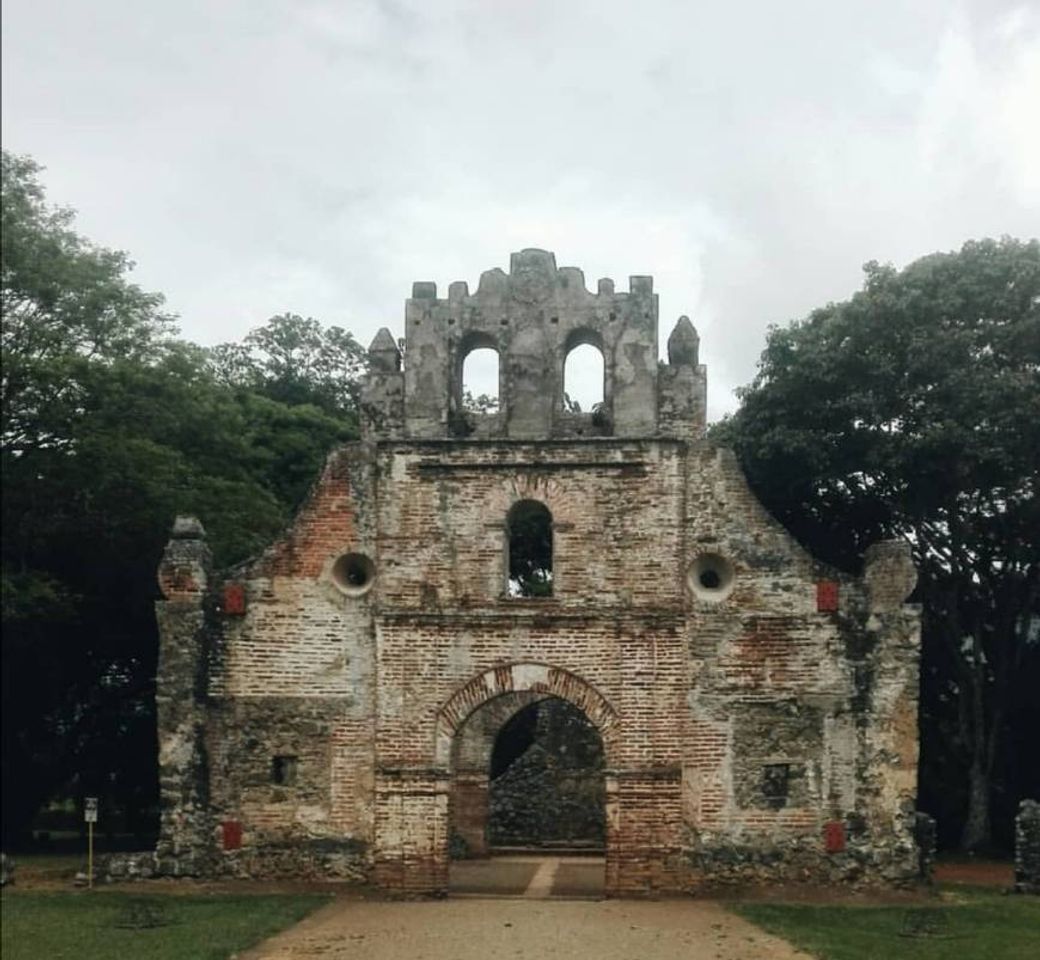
(320,156)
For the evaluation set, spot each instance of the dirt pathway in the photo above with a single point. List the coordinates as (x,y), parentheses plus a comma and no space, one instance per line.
(473,929)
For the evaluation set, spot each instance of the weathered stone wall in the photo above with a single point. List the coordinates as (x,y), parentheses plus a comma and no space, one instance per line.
(757,711)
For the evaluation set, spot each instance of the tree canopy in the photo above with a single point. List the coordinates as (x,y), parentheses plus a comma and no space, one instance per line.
(111,426)
(912,411)
(295,360)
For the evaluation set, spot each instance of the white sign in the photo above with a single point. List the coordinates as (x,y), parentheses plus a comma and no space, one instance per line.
(90,809)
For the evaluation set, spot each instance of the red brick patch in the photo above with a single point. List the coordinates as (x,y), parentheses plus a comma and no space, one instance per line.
(232,830)
(834,836)
(827,596)
(234,599)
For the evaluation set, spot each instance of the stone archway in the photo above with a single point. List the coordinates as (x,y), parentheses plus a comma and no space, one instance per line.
(515,686)
(520,677)
(472,751)
(412,803)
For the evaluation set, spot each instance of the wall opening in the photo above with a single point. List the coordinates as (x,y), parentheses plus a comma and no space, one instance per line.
(711,577)
(528,782)
(283,770)
(530,550)
(776,784)
(546,780)
(353,574)
(480,381)
(583,379)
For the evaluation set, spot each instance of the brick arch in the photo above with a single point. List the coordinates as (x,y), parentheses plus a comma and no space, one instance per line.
(564,504)
(516,677)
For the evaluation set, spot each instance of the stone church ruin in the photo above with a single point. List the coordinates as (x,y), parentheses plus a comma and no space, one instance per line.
(331,707)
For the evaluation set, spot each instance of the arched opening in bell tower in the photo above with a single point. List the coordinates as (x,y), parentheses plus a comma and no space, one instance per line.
(583,378)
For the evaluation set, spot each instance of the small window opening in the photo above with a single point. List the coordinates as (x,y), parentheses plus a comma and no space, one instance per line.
(529,529)
(283,771)
(583,379)
(480,381)
(775,784)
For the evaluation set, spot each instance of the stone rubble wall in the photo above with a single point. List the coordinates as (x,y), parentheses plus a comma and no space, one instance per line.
(1027,847)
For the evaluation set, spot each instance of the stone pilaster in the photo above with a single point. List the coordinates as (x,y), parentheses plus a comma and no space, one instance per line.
(1027,847)
(184,828)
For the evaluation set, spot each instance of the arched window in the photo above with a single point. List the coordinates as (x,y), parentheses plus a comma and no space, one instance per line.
(480,380)
(529,529)
(583,378)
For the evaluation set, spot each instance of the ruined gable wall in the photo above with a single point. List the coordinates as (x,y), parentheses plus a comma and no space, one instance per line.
(708,691)
(292,675)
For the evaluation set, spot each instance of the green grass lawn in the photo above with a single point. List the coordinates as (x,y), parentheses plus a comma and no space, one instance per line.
(967,924)
(103,925)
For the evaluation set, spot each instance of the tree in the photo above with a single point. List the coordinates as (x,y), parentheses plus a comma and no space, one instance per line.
(109,428)
(64,303)
(912,411)
(295,360)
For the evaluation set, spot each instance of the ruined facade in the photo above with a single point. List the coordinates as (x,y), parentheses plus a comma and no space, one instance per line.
(329,708)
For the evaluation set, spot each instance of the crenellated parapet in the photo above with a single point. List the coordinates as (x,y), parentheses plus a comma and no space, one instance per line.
(533,317)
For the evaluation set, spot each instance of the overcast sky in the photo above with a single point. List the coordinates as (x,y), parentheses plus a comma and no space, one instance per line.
(318,157)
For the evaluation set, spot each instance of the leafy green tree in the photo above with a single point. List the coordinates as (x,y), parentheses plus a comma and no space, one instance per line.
(912,410)
(64,303)
(295,360)
(109,428)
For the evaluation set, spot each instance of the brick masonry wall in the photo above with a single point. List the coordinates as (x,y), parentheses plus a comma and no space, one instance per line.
(697,691)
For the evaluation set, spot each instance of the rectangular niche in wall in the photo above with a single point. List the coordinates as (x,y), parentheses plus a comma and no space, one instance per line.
(775,784)
(776,748)
(283,770)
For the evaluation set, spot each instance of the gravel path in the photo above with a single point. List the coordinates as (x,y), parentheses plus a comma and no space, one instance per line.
(475,929)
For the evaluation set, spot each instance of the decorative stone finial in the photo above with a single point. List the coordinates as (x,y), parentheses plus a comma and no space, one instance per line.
(890,574)
(383,353)
(187,528)
(684,344)
(184,567)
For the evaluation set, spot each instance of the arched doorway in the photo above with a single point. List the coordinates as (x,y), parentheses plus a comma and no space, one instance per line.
(546,789)
(413,796)
(528,790)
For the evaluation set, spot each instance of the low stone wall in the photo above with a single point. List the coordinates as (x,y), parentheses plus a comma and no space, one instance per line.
(130,866)
(345,860)
(1027,847)
(717,861)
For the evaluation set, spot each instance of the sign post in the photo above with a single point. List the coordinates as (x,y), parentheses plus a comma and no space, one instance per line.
(90,805)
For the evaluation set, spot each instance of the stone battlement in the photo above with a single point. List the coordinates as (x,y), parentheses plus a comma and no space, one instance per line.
(533,317)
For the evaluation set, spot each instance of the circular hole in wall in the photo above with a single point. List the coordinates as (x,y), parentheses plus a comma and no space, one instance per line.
(711,577)
(353,573)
